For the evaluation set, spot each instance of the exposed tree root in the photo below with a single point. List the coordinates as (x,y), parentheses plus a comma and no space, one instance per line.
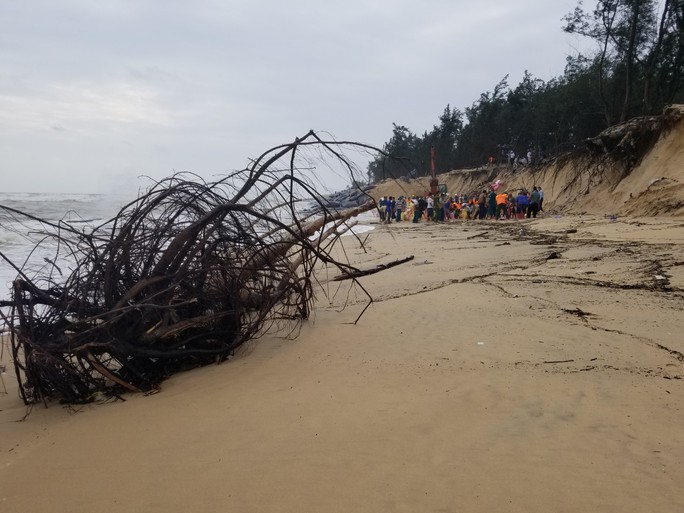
(179,278)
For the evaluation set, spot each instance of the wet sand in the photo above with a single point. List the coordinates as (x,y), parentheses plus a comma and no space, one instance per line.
(516,366)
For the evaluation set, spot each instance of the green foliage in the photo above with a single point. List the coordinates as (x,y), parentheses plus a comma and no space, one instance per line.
(640,58)
(638,69)
(411,154)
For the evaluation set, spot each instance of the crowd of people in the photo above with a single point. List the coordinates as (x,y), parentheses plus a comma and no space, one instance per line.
(444,208)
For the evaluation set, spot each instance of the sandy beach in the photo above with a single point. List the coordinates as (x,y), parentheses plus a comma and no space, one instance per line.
(510,366)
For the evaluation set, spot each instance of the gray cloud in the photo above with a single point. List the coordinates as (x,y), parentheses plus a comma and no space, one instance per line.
(92,93)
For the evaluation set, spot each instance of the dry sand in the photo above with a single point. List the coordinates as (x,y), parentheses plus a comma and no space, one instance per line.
(485,377)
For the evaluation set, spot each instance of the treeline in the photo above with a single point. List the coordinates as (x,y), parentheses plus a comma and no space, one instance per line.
(637,70)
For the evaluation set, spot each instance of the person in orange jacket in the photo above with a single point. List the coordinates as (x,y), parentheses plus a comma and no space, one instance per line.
(501,206)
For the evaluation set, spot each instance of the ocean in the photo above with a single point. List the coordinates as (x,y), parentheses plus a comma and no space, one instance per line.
(23,240)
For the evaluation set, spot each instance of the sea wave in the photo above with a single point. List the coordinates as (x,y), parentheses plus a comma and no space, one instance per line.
(29,243)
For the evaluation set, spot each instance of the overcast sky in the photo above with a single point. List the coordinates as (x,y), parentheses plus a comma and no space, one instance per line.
(94,93)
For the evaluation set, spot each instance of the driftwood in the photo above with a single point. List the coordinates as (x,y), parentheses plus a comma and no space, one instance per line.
(179,278)
(357,273)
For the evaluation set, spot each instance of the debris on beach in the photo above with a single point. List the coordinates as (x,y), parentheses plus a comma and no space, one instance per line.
(181,277)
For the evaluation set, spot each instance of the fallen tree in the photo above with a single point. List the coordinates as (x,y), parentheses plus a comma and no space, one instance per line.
(179,278)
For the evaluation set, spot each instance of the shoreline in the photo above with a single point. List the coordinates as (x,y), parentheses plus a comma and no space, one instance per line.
(514,366)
